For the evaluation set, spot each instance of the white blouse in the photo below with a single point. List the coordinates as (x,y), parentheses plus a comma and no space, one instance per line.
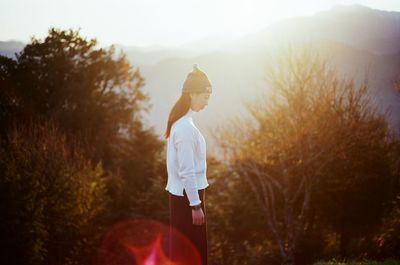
(186,159)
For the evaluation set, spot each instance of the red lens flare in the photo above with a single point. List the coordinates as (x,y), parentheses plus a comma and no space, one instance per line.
(146,242)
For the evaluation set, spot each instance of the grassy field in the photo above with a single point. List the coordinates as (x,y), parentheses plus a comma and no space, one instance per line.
(364,262)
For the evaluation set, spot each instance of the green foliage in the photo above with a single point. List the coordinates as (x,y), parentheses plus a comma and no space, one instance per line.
(52,198)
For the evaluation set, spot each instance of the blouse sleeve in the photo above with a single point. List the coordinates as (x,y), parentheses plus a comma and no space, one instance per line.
(185,144)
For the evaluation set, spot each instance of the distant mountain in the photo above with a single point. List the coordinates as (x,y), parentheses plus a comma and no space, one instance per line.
(9,48)
(214,43)
(362,27)
(150,56)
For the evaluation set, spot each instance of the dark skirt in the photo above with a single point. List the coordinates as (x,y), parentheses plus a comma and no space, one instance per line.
(181,219)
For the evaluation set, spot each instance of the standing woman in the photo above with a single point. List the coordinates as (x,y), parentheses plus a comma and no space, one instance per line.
(186,165)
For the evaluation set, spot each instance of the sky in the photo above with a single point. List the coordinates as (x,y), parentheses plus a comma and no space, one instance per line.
(167,23)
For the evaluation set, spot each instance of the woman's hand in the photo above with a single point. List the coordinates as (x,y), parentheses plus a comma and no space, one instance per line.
(198,216)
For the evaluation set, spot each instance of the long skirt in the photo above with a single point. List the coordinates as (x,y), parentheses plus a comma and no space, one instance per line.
(181,220)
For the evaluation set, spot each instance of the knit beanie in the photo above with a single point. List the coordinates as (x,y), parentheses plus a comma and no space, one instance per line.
(197,81)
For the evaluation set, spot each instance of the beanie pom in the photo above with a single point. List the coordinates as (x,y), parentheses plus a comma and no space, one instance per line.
(196,81)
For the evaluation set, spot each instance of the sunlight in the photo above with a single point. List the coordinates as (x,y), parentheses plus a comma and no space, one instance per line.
(155,22)
(240,17)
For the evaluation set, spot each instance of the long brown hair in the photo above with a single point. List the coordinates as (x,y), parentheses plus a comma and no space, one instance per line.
(179,109)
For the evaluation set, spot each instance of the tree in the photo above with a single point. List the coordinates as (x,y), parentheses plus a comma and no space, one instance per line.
(52,198)
(85,90)
(91,94)
(387,240)
(237,233)
(8,106)
(296,129)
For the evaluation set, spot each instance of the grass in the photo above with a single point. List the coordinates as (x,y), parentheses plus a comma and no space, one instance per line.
(362,262)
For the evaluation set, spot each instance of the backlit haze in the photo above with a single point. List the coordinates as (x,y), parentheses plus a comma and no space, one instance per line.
(158,22)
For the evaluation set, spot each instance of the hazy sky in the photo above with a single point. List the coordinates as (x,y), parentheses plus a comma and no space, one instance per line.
(157,22)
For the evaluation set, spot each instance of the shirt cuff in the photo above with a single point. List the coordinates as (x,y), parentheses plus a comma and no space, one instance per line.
(193,196)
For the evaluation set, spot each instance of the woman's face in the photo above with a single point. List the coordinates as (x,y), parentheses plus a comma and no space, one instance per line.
(199,100)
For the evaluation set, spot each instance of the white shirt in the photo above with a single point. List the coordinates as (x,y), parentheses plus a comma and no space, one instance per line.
(186,159)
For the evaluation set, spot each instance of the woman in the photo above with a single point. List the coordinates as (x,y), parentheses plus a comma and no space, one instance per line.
(186,165)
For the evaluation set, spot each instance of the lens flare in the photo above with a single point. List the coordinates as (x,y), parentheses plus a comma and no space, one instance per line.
(146,242)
